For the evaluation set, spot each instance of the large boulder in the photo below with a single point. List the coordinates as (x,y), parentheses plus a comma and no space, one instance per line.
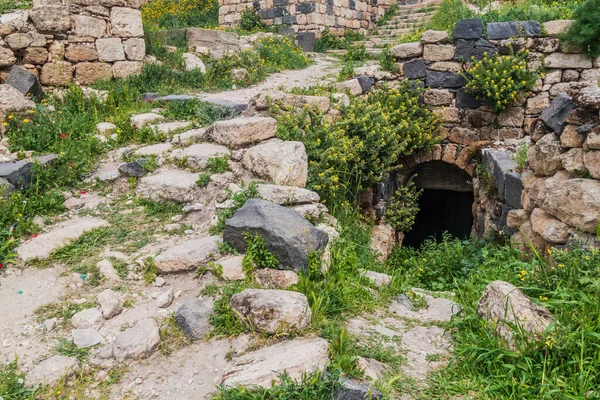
(239,132)
(261,367)
(272,311)
(188,255)
(576,202)
(287,235)
(504,305)
(545,157)
(193,317)
(284,163)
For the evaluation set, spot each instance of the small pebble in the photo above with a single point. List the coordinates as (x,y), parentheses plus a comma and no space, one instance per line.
(160,281)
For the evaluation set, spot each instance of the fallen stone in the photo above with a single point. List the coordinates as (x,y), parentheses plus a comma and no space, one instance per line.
(351,86)
(137,342)
(371,369)
(25,82)
(154,149)
(19,173)
(52,370)
(286,195)
(231,268)
(165,299)
(353,390)
(188,255)
(286,234)
(261,367)
(193,62)
(377,278)
(110,303)
(239,132)
(89,318)
(58,236)
(503,304)
(193,317)
(383,240)
(106,128)
(108,271)
(12,101)
(275,279)
(169,127)
(140,120)
(548,227)
(84,338)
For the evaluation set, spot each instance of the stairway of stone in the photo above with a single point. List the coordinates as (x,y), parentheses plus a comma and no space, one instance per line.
(410,17)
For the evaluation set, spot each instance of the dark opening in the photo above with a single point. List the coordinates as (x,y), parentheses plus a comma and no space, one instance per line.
(445,204)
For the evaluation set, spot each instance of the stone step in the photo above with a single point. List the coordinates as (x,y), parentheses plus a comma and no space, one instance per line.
(395,32)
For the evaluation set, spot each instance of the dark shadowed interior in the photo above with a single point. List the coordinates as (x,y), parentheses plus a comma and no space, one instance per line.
(445,204)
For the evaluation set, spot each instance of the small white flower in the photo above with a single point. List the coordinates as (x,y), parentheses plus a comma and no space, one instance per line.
(20,380)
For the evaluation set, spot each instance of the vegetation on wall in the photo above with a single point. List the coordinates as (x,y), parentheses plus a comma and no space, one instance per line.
(585,31)
(402,209)
(501,80)
(177,14)
(364,144)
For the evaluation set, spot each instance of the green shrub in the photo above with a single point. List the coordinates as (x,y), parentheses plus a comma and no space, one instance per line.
(281,53)
(403,207)
(177,14)
(387,60)
(195,110)
(364,144)
(257,255)
(585,31)
(250,20)
(327,41)
(218,164)
(500,81)
(356,53)
(203,179)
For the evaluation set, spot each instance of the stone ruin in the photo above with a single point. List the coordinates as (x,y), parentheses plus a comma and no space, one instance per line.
(79,41)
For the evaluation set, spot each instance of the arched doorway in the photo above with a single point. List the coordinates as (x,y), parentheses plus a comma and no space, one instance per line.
(446,204)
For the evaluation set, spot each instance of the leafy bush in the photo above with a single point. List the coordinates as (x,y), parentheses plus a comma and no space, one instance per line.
(356,53)
(500,80)
(281,53)
(364,144)
(218,165)
(403,207)
(250,20)
(387,60)
(203,179)
(177,14)
(257,255)
(585,31)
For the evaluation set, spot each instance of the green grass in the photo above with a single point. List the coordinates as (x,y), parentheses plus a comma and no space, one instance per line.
(9,5)
(67,348)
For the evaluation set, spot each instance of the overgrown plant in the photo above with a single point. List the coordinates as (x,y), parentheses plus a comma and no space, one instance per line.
(520,157)
(402,209)
(585,31)
(501,80)
(329,41)
(387,60)
(250,20)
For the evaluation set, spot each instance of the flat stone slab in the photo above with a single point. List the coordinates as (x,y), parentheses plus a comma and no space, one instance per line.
(262,366)
(154,149)
(198,154)
(58,236)
(188,255)
(175,185)
(168,127)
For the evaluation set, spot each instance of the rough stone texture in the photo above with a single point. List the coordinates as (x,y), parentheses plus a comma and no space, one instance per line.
(51,370)
(576,202)
(377,278)
(140,120)
(193,62)
(287,235)
(548,227)
(468,29)
(193,317)
(275,279)
(407,50)
(286,195)
(352,86)
(564,61)
(89,318)
(57,73)
(126,22)
(137,342)
(232,268)
(432,52)
(81,52)
(415,69)
(591,160)
(110,303)
(438,97)
(173,185)
(108,271)
(431,37)
(516,218)
(284,163)
(88,26)
(239,132)
(7,57)
(555,28)
(83,338)
(51,18)
(503,303)
(571,138)
(12,101)
(383,240)
(135,49)
(198,154)
(87,73)
(589,97)
(110,49)
(572,161)
(555,116)
(218,43)
(545,156)
(188,255)
(58,236)
(437,79)
(262,366)
(353,390)
(272,311)
(123,69)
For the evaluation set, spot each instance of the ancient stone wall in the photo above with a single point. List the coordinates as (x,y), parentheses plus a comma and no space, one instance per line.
(309,16)
(473,135)
(80,40)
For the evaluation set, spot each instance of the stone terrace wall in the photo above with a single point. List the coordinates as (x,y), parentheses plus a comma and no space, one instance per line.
(469,126)
(81,41)
(309,16)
